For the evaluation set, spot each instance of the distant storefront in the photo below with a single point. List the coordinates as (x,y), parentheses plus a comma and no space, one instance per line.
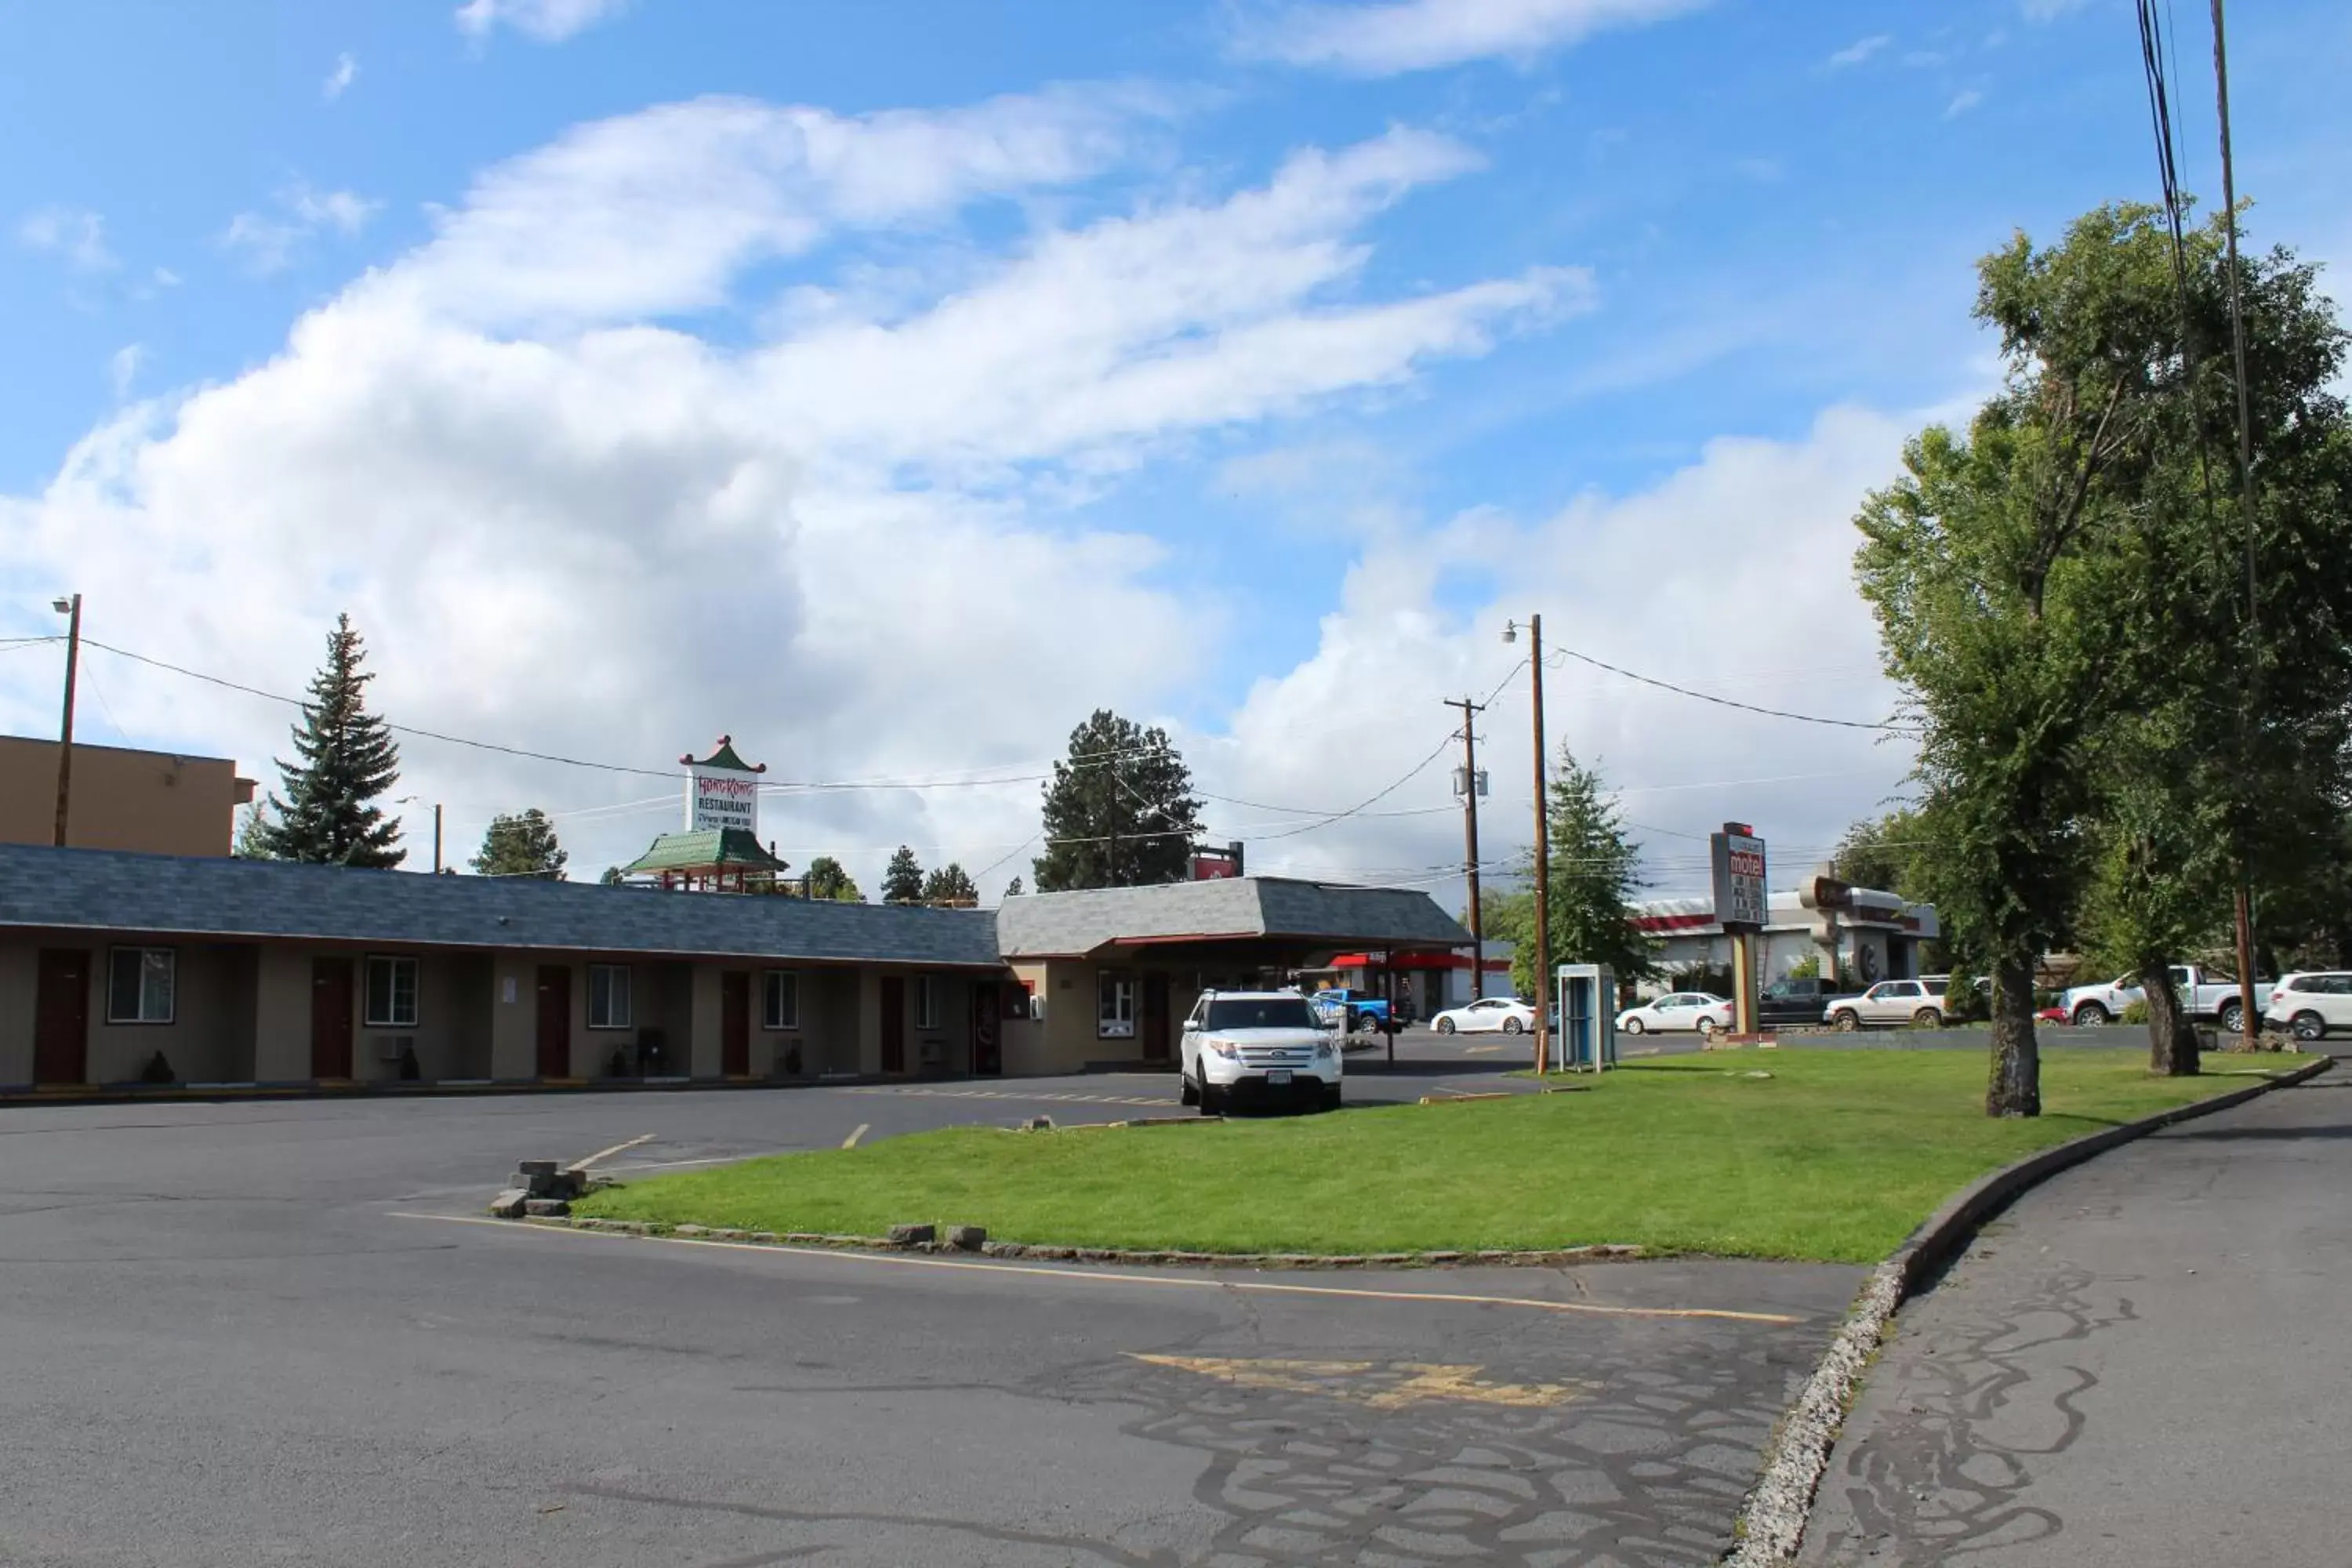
(1855,934)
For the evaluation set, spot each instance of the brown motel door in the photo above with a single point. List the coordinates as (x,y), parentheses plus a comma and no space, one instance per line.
(554,1021)
(892,997)
(61,1017)
(331,1017)
(735,1024)
(1155,1016)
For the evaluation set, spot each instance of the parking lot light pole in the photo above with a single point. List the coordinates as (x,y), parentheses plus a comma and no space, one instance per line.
(71,609)
(1542,964)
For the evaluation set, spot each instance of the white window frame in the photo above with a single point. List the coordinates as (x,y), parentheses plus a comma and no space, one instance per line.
(369,1018)
(773,982)
(171,971)
(629,1008)
(1114,1005)
(927,1002)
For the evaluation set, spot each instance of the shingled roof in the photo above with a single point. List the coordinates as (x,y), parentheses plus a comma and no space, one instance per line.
(1059,925)
(104,891)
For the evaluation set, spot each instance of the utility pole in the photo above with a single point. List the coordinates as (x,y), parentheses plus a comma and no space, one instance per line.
(72,609)
(2251,1019)
(1542,966)
(1470,840)
(436,838)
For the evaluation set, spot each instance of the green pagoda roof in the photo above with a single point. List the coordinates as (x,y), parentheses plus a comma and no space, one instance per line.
(723,757)
(712,846)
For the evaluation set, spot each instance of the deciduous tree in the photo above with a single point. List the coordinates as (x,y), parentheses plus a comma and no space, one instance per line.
(521,844)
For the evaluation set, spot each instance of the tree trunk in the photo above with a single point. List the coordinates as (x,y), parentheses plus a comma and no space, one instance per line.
(2171,1043)
(2014,1088)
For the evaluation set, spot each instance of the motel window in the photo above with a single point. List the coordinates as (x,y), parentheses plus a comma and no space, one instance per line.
(392,993)
(141,985)
(927,1002)
(608,997)
(783,1001)
(1114,1005)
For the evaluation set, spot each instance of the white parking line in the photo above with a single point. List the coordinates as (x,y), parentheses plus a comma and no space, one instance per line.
(1121,1277)
(607,1153)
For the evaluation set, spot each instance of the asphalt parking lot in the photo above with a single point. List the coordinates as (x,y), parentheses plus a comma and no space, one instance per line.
(275,1331)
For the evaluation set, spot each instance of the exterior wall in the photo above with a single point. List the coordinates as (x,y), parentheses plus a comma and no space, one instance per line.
(1064,1040)
(200,1042)
(824,1031)
(704,1049)
(281,1014)
(514,1016)
(20,971)
(148,801)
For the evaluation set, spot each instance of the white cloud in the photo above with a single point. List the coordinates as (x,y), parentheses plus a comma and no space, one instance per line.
(78,235)
(269,241)
(1858,51)
(573,530)
(2049,10)
(548,21)
(1387,39)
(123,369)
(338,80)
(1962,102)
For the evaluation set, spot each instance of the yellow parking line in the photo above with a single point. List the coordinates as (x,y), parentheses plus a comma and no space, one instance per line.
(1120,1276)
(851,1142)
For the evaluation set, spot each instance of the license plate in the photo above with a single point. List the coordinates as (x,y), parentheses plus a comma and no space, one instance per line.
(1277,1078)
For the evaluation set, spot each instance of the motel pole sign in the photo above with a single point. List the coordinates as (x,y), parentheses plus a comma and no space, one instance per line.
(1741,910)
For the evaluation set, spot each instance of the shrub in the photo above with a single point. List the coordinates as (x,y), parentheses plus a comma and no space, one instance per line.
(2136,1013)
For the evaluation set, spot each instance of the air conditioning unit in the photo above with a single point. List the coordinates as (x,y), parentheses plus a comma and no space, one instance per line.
(932,1053)
(388,1047)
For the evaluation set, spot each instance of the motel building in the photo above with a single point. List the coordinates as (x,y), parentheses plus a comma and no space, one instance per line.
(1860,934)
(119,968)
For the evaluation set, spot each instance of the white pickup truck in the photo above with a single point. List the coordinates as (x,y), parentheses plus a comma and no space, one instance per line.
(2203,993)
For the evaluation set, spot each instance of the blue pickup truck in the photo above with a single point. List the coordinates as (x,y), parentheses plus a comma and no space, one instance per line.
(1361,1009)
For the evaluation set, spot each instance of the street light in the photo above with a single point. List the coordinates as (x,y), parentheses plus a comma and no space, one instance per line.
(68,604)
(1543,847)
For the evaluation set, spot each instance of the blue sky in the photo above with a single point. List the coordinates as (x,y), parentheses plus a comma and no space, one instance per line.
(890,385)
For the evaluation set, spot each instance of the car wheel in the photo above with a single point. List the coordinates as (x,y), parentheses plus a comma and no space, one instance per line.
(1926,1018)
(1187,1091)
(1512,1026)
(1635,1027)
(1847,1021)
(1445,1026)
(1211,1101)
(2310,1026)
(2233,1017)
(1707,1025)
(2090,1015)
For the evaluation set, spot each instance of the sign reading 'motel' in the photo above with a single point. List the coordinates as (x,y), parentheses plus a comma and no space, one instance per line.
(1739,898)
(722,790)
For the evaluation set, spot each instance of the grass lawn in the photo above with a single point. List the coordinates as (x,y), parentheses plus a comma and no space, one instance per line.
(1837,1155)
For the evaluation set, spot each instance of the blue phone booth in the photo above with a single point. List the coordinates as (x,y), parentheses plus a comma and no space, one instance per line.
(1587,1017)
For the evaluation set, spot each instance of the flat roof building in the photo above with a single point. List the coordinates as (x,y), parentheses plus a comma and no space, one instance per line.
(159,802)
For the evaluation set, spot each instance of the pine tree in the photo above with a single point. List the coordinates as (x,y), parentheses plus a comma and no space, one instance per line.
(253,834)
(1012,888)
(902,881)
(520,845)
(828,879)
(1595,875)
(612,876)
(1120,812)
(951,884)
(347,760)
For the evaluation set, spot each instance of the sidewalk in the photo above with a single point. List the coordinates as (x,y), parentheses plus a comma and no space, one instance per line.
(2139,1364)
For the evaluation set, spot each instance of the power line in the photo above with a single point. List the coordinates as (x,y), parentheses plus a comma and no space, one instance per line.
(1731,702)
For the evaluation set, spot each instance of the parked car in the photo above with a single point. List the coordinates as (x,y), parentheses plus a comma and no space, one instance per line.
(1676,1010)
(2051,1015)
(1486,1016)
(1262,1046)
(1792,1001)
(2204,993)
(1887,1003)
(1358,1009)
(2312,1006)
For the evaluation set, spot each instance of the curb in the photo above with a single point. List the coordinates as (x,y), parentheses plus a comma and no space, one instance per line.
(1604,1252)
(1772,1522)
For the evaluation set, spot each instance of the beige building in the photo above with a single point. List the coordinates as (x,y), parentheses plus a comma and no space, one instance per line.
(1110,973)
(154,802)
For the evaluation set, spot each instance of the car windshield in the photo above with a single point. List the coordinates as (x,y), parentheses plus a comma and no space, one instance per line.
(1260,1013)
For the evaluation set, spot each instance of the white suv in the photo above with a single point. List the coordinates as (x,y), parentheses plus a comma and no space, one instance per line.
(1258,1046)
(2312,1006)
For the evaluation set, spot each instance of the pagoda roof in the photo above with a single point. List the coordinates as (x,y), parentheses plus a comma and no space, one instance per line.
(723,756)
(711,847)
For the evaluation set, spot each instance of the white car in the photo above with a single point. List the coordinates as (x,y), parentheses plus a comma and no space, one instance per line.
(1889,1002)
(1676,1010)
(1485,1017)
(1261,1045)
(2312,1006)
